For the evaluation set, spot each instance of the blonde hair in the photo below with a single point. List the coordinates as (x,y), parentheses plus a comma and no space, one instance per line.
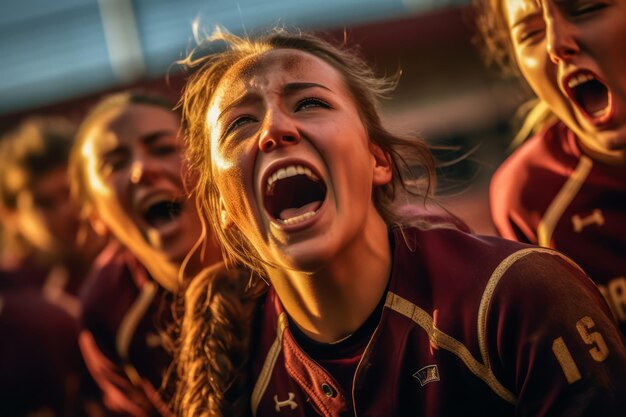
(213,346)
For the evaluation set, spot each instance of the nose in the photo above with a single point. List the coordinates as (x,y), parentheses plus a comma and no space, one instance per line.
(560,38)
(278,130)
(143,170)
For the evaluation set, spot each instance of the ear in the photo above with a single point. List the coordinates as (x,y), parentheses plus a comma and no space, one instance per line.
(225,219)
(382,166)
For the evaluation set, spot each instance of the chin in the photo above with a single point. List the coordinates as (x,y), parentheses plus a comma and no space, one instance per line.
(307,261)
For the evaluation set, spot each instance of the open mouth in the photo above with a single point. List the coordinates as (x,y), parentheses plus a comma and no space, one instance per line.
(590,95)
(293,194)
(162,211)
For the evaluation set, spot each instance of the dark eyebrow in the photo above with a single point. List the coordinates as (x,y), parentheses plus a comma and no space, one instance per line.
(154,136)
(287,89)
(525,18)
(240,101)
(294,87)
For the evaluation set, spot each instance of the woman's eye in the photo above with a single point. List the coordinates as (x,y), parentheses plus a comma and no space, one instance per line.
(238,122)
(165,149)
(311,102)
(584,8)
(112,164)
(530,35)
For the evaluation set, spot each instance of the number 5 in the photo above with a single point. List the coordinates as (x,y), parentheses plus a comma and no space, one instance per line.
(598,351)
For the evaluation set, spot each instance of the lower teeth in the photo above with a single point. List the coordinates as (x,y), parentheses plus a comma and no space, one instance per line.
(299,218)
(599,113)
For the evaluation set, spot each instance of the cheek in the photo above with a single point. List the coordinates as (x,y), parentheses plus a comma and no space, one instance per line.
(231,173)
(105,194)
(231,186)
(540,73)
(532,67)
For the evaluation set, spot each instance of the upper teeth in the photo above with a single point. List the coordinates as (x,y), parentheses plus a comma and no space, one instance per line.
(154,199)
(290,171)
(577,80)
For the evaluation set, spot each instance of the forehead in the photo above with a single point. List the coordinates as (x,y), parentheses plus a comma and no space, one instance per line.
(135,118)
(516,10)
(270,70)
(128,123)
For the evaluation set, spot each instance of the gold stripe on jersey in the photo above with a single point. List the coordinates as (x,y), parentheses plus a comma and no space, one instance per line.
(268,366)
(132,318)
(565,195)
(447,342)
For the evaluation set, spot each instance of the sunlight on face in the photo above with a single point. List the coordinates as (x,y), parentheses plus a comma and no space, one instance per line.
(282,124)
(90,153)
(214,111)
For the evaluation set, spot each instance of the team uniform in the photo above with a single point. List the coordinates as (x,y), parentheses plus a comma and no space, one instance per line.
(469,326)
(549,193)
(123,312)
(59,283)
(41,369)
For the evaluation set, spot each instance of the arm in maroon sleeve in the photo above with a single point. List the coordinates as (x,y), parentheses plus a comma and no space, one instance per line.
(553,341)
(120,395)
(507,212)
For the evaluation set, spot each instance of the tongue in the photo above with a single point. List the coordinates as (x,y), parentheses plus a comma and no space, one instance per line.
(592,96)
(291,212)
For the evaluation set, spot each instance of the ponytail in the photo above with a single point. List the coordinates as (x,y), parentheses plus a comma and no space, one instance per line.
(213,348)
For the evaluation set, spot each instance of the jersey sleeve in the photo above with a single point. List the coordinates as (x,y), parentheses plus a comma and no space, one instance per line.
(120,395)
(553,342)
(504,195)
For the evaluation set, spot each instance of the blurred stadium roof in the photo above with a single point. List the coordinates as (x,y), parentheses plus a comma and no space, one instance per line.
(55,50)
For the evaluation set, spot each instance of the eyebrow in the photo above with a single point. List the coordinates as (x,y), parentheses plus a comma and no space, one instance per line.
(287,89)
(155,136)
(528,16)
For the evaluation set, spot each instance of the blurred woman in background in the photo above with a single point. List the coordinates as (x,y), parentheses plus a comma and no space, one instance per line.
(45,256)
(565,188)
(127,170)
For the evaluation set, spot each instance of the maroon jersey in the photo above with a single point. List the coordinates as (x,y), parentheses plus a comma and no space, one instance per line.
(59,283)
(41,370)
(471,326)
(123,312)
(549,193)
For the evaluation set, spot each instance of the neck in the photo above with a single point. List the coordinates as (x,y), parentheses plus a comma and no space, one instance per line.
(333,302)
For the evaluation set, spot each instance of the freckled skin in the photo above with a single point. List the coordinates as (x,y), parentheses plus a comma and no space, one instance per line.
(263,76)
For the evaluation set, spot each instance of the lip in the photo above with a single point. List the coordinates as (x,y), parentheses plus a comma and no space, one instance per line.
(144,198)
(599,121)
(270,170)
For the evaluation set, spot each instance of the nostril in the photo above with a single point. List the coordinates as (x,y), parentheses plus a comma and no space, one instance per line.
(289,139)
(267,145)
